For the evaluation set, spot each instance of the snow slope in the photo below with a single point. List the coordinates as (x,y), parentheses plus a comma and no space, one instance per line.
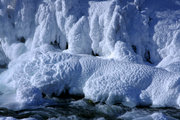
(110,51)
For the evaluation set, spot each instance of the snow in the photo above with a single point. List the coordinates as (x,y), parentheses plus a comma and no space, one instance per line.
(48,71)
(48,47)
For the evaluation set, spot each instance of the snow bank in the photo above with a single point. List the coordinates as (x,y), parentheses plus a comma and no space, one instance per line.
(49,46)
(47,71)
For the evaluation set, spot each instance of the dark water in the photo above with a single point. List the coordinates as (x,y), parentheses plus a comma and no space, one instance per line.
(87,110)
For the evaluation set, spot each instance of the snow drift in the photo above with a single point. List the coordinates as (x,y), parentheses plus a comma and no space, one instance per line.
(109,51)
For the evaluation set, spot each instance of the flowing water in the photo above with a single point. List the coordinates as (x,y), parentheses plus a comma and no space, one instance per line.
(87,110)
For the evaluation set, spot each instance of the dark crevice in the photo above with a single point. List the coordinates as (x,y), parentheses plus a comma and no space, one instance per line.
(55,44)
(21,39)
(43,95)
(147,56)
(67,45)
(134,48)
(9,16)
(3,66)
(144,106)
(66,95)
(94,54)
(63,95)
(149,20)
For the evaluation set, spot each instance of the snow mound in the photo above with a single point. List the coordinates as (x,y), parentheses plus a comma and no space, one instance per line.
(46,71)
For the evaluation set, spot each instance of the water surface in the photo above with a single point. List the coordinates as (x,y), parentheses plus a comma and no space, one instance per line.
(84,109)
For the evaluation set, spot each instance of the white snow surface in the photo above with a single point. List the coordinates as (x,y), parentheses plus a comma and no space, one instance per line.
(48,47)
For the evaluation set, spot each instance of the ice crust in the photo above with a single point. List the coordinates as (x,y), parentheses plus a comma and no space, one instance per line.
(48,46)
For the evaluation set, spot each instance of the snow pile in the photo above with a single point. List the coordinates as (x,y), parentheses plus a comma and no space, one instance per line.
(49,46)
(46,71)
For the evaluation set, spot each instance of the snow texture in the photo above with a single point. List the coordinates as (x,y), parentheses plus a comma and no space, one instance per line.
(110,51)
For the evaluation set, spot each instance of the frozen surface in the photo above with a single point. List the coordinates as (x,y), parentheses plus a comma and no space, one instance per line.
(110,51)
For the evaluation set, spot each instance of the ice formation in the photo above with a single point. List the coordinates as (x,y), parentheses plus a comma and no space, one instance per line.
(112,51)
